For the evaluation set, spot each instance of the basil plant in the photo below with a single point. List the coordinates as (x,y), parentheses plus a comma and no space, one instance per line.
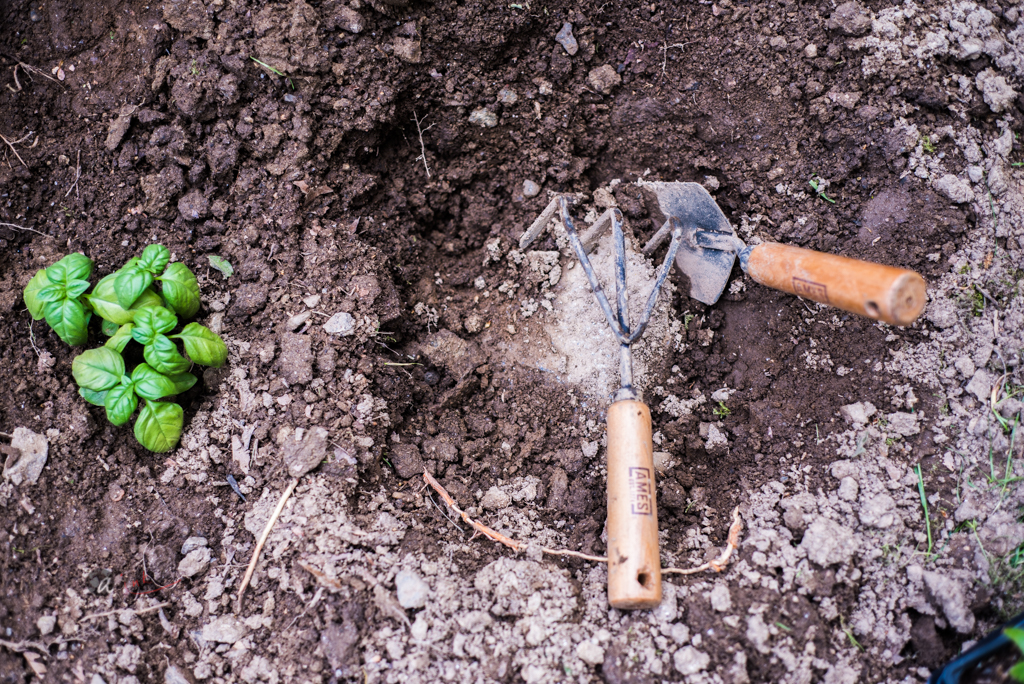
(132,310)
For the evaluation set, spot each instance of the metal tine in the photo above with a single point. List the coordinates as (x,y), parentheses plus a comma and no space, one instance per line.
(652,299)
(595,286)
(627,337)
(621,293)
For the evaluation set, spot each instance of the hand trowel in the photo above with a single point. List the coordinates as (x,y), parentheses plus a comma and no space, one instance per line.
(709,248)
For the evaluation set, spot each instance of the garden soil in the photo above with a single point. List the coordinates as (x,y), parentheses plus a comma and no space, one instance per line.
(367,170)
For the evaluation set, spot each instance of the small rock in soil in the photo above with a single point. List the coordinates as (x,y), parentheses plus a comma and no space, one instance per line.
(173,675)
(603,79)
(408,50)
(507,97)
(720,599)
(226,629)
(191,544)
(590,653)
(303,451)
(483,118)
(33,449)
(999,96)
(249,298)
(567,40)
(407,461)
(981,384)
(848,489)
(311,301)
(118,127)
(495,500)
(340,324)
(349,20)
(412,591)
(827,542)
(689,660)
(859,413)
(195,562)
(851,19)
(941,312)
(296,321)
(810,51)
(46,623)
(530,189)
(957,190)
(193,206)
(296,359)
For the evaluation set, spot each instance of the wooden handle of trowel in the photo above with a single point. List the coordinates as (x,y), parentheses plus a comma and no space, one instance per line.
(634,563)
(885,293)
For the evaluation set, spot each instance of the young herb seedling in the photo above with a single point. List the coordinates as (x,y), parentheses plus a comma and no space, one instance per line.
(131,310)
(819,187)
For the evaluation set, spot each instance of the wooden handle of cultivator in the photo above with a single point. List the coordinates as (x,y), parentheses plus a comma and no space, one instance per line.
(634,563)
(885,293)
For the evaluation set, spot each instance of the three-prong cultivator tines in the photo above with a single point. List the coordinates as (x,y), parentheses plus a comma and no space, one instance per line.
(634,564)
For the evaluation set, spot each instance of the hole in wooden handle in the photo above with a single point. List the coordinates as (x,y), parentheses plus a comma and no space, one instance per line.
(872,309)
(643,578)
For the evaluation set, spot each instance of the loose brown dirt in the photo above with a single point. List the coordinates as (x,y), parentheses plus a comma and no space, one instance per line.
(308,174)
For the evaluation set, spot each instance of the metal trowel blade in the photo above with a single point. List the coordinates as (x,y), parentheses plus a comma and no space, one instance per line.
(692,205)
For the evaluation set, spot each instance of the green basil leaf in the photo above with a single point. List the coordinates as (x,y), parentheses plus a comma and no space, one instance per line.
(92,396)
(98,369)
(158,427)
(156,319)
(221,264)
(155,258)
(52,293)
(76,288)
(121,403)
(109,329)
(203,346)
(152,385)
(57,273)
(104,301)
(31,294)
(180,289)
(183,382)
(76,266)
(69,320)
(162,354)
(130,284)
(121,338)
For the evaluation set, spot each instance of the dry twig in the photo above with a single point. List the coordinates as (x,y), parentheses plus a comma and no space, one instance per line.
(718,564)
(78,174)
(17,227)
(263,540)
(141,611)
(423,149)
(11,145)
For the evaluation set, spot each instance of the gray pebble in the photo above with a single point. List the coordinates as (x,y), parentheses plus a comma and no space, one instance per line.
(226,629)
(483,118)
(173,675)
(412,591)
(507,96)
(340,324)
(195,562)
(530,189)
(191,544)
(296,321)
(567,40)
